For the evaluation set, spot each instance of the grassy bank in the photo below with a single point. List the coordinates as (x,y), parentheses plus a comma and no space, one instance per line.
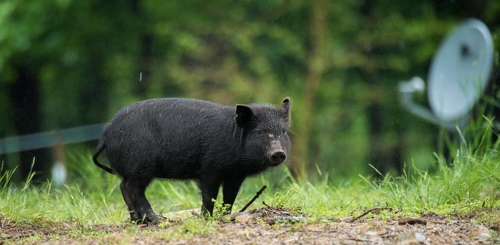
(93,197)
(467,183)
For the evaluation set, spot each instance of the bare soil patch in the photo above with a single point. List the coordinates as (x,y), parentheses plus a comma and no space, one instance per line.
(268,226)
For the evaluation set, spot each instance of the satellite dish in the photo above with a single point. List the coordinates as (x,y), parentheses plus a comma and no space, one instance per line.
(460,70)
(458,75)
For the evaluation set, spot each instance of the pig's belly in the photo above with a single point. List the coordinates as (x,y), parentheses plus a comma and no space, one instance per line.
(178,167)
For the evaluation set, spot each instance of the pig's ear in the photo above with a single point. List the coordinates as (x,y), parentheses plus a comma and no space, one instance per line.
(244,115)
(285,109)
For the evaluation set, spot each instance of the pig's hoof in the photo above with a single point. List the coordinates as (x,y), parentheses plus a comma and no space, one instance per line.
(153,221)
(148,219)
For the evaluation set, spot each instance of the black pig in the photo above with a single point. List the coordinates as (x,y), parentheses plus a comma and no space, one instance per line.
(175,138)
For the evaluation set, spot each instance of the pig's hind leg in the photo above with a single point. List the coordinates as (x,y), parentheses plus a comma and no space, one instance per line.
(135,198)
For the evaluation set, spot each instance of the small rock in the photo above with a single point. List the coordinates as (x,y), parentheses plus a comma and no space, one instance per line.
(481,232)
(182,213)
(410,238)
(240,217)
(243,218)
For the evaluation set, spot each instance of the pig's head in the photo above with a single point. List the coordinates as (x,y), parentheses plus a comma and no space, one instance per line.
(264,138)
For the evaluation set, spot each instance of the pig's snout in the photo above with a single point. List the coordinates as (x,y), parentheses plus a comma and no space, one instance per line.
(278,157)
(276,153)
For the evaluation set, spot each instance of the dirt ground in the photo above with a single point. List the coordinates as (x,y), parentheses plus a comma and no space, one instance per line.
(269,226)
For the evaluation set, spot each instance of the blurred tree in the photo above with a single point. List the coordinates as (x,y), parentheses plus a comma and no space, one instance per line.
(316,66)
(52,55)
(23,42)
(65,63)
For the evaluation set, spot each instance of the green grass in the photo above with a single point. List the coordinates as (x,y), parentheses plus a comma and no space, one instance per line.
(93,197)
(468,182)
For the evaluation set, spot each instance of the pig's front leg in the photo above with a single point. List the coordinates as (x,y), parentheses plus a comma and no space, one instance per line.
(230,189)
(209,190)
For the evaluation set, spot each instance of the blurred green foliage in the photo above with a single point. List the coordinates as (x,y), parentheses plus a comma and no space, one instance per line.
(86,59)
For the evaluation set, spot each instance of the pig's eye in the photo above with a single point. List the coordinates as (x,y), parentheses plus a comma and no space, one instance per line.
(259,132)
(284,131)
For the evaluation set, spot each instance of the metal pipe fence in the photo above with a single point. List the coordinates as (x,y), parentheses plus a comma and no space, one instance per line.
(51,138)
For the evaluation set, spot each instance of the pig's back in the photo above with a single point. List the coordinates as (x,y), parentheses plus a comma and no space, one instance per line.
(165,137)
(171,113)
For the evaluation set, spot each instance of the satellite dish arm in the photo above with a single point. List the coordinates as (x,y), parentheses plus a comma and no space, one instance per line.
(406,91)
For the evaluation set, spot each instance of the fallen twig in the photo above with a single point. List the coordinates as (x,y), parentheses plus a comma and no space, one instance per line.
(265,204)
(411,221)
(369,211)
(253,199)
